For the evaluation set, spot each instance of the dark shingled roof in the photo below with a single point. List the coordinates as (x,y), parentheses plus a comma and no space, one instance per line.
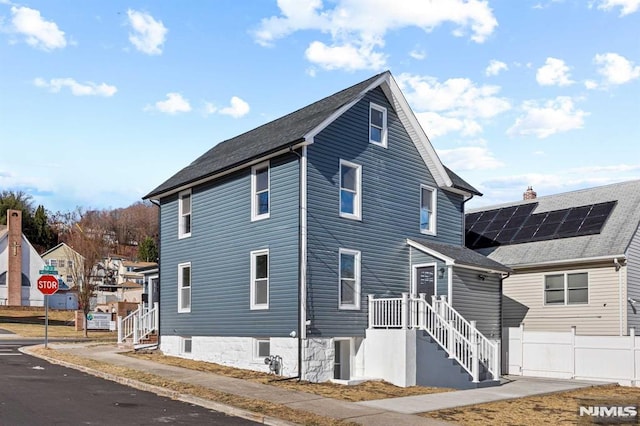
(463,255)
(262,140)
(272,137)
(460,183)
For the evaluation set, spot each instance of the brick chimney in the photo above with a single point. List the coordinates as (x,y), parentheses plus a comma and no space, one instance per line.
(529,194)
(14,273)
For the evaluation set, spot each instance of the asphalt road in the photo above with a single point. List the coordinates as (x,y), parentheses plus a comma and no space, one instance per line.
(35,392)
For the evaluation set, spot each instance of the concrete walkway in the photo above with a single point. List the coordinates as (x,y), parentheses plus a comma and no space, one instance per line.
(396,411)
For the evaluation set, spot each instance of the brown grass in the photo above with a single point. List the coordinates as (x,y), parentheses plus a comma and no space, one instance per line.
(29,321)
(362,392)
(254,405)
(553,409)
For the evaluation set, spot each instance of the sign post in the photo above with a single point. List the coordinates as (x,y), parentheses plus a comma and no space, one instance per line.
(48,285)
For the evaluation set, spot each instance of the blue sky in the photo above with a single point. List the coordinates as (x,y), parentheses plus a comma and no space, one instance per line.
(100,101)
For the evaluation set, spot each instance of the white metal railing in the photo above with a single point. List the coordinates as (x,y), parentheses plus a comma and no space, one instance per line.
(488,351)
(138,324)
(459,337)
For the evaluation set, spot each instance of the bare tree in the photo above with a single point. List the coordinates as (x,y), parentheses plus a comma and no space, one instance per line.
(91,244)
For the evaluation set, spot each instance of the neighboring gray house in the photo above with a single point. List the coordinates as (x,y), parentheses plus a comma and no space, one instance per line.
(575,258)
(297,240)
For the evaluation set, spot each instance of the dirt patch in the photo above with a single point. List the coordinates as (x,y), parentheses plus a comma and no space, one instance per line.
(554,409)
(362,392)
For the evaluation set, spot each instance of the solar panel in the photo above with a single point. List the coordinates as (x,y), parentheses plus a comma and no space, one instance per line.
(518,224)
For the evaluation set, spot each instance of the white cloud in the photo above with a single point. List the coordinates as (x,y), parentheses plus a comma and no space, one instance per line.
(358,27)
(237,109)
(469,158)
(418,54)
(455,105)
(554,116)
(88,88)
(347,57)
(590,84)
(616,69)
(174,104)
(149,35)
(627,6)
(38,32)
(554,73)
(495,67)
(435,125)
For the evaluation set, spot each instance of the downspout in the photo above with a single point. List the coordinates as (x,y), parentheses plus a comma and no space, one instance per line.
(464,222)
(302,250)
(618,267)
(159,282)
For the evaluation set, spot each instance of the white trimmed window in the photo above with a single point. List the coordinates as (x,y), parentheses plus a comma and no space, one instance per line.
(53,262)
(260,279)
(262,348)
(260,191)
(184,287)
(378,125)
(427,210)
(350,190)
(566,289)
(184,214)
(349,280)
(186,345)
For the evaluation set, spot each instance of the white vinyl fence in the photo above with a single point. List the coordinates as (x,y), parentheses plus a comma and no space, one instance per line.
(570,356)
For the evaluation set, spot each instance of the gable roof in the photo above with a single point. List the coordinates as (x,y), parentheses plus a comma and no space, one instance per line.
(457,255)
(298,128)
(612,241)
(65,245)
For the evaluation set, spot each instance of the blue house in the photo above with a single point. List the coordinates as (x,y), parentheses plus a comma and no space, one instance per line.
(329,243)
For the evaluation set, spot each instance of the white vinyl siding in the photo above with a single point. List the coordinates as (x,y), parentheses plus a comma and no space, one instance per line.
(260,191)
(524,302)
(427,210)
(260,279)
(378,125)
(350,190)
(184,287)
(184,214)
(349,280)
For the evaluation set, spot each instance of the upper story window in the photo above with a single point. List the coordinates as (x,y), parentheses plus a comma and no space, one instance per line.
(566,289)
(53,262)
(260,279)
(184,287)
(260,191)
(184,213)
(427,210)
(378,125)
(349,280)
(350,190)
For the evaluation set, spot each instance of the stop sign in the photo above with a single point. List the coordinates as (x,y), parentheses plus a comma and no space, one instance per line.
(47,284)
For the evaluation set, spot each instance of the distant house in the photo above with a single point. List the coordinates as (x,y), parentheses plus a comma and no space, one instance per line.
(308,242)
(575,258)
(63,258)
(19,265)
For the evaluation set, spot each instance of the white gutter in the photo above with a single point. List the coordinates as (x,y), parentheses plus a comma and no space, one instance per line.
(567,261)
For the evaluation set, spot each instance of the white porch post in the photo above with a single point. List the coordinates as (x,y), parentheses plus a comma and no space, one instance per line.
(422,318)
(475,362)
(156,316)
(451,342)
(371,316)
(136,325)
(120,331)
(405,311)
(497,361)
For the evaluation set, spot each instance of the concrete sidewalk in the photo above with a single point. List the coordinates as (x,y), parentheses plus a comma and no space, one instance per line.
(396,411)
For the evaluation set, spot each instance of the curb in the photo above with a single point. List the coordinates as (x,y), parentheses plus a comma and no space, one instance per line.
(189,399)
